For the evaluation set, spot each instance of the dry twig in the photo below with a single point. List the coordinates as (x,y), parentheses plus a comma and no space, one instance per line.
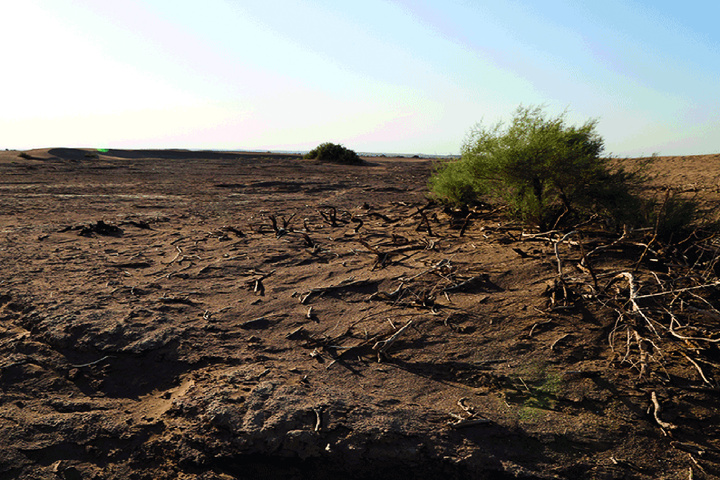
(633,298)
(557,252)
(695,364)
(424,221)
(90,364)
(657,409)
(179,252)
(680,290)
(382,346)
(318,419)
(552,347)
(470,420)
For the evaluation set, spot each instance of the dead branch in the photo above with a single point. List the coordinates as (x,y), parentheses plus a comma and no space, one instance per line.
(470,410)
(318,419)
(656,413)
(90,364)
(680,290)
(552,347)
(257,283)
(298,332)
(689,447)
(286,223)
(308,241)
(560,279)
(537,324)
(626,232)
(424,220)
(275,228)
(655,230)
(179,252)
(470,422)
(372,249)
(330,217)
(644,353)
(695,364)
(557,252)
(262,276)
(465,224)
(628,345)
(586,267)
(672,331)
(359,222)
(388,295)
(429,244)
(633,298)
(280,231)
(544,236)
(382,346)
(398,239)
(445,262)
(381,258)
(259,288)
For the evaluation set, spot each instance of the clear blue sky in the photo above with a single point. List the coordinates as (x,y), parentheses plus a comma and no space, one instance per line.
(377,76)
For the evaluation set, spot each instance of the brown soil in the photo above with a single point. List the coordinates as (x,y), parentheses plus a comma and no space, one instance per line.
(154,324)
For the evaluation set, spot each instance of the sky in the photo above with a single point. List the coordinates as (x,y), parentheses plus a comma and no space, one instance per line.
(397,76)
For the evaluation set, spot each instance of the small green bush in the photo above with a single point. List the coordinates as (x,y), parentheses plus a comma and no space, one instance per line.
(331,152)
(543,169)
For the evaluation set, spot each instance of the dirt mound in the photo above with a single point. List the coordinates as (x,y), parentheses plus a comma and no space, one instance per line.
(259,316)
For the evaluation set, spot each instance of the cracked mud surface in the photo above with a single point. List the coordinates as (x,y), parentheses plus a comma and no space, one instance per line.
(168,314)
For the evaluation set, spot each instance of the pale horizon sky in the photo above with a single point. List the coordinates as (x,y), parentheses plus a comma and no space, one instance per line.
(377,76)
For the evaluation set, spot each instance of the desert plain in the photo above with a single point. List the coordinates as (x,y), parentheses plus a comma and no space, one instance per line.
(169,314)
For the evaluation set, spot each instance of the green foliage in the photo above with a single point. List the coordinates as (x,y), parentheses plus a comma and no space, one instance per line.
(331,152)
(541,168)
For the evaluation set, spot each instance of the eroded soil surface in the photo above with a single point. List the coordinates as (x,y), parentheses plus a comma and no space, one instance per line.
(180,315)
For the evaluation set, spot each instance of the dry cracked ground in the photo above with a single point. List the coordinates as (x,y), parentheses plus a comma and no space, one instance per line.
(205,315)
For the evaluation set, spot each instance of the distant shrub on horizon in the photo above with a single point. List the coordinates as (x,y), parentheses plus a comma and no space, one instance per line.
(332,152)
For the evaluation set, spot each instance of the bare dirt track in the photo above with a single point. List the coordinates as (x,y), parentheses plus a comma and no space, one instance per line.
(174,314)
